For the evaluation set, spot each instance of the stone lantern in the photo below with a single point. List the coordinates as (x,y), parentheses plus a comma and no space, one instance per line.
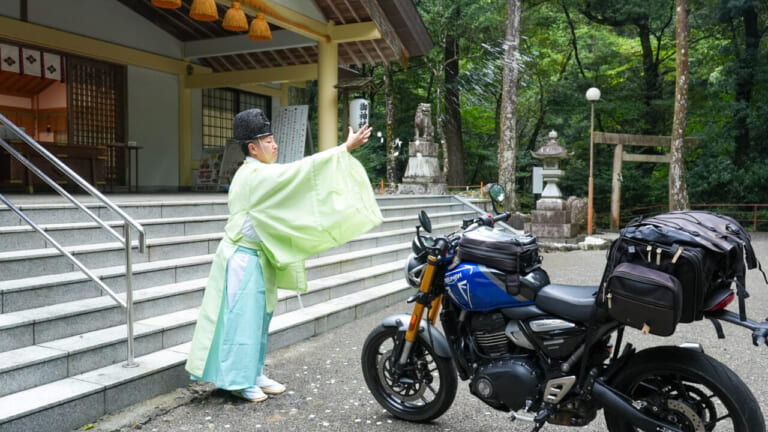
(551,220)
(551,154)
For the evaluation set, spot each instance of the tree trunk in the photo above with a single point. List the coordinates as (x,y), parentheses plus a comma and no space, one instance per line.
(508,139)
(600,12)
(652,82)
(390,129)
(453,137)
(745,82)
(678,190)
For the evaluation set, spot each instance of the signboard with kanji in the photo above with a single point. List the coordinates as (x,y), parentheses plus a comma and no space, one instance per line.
(358,114)
(290,129)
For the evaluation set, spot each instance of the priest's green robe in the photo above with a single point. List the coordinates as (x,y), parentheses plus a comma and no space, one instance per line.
(295,210)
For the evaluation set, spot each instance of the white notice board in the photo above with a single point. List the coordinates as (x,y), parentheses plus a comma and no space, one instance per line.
(290,129)
(538,180)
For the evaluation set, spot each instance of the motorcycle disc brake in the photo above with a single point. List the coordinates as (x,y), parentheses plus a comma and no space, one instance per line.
(689,413)
(396,389)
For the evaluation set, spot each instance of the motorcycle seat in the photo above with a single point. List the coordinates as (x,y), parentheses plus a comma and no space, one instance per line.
(574,302)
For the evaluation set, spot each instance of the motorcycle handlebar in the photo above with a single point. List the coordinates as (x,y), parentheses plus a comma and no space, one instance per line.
(442,244)
(489,220)
(502,217)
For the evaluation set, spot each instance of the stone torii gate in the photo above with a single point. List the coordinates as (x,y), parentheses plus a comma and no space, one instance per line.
(619,156)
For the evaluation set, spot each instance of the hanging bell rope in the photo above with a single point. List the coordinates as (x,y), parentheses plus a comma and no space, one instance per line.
(204,10)
(260,29)
(167,4)
(235,19)
(260,6)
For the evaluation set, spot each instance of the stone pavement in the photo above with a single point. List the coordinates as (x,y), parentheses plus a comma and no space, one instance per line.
(327,391)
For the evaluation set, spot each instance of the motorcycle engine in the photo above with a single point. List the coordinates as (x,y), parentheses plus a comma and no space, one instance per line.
(503,381)
(488,331)
(493,333)
(507,384)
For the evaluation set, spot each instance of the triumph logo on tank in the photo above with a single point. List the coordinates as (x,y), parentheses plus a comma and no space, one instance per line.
(452,278)
(463,287)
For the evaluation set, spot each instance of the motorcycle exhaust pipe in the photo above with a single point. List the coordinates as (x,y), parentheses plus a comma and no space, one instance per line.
(613,401)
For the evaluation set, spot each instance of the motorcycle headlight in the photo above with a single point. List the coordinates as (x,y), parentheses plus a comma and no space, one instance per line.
(414,269)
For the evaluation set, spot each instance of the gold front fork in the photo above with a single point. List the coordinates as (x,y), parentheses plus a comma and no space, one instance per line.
(418,309)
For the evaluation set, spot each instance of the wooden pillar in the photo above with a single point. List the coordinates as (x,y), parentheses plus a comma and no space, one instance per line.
(285,94)
(344,114)
(618,152)
(185,133)
(327,95)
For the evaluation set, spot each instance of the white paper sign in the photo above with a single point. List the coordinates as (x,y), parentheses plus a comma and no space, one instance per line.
(290,129)
(538,180)
(31,62)
(52,66)
(231,160)
(9,58)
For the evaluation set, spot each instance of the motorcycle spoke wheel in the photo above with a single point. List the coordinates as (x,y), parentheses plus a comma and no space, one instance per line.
(425,389)
(687,389)
(680,401)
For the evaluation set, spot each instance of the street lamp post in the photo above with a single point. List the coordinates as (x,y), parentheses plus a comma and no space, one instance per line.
(593,95)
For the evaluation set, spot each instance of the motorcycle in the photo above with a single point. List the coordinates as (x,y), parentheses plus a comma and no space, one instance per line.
(545,352)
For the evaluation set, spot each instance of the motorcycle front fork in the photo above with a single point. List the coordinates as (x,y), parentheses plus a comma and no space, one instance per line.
(418,311)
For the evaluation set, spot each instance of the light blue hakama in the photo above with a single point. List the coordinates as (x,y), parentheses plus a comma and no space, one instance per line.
(239,344)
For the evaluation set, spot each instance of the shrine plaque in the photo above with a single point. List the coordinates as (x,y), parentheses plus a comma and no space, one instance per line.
(290,129)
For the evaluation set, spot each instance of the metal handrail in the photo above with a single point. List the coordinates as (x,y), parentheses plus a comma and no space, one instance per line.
(479,210)
(125,239)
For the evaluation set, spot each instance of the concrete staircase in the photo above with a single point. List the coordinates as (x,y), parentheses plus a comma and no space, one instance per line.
(63,341)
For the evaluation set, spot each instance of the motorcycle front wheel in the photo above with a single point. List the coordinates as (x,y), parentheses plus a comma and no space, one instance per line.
(425,389)
(688,389)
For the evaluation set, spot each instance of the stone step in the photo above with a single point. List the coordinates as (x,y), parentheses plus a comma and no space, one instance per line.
(72,402)
(19,264)
(144,207)
(40,291)
(69,234)
(414,200)
(23,237)
(49,323)
(375,239)
(34,326)
(34,365)
(411,221)
(413,209)
(54,347)
(140,209)
(48,261)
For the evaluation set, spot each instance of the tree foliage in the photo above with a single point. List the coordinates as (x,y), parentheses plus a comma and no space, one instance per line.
(626,48)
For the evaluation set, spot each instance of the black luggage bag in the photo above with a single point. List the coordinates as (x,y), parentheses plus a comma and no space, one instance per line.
(695,271)
(500,250)
(644,298)
(707,252)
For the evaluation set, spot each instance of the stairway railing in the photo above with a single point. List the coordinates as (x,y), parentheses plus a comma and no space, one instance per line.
(125,239)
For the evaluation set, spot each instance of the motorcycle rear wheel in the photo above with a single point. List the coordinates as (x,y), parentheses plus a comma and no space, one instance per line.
(686,388)
(429,381)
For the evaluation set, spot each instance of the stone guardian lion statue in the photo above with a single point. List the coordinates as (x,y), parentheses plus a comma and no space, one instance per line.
(423,123)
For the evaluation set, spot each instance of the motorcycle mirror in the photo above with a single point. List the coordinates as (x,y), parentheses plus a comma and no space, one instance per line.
(497,194)
(425,222)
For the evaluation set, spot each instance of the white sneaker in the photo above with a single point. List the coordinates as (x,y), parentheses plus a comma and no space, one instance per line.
(252,394)
(269,386)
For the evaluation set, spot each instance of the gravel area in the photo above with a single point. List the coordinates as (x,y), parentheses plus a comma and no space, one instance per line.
(327,391)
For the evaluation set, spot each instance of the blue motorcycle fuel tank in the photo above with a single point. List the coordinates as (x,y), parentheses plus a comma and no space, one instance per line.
(475,287)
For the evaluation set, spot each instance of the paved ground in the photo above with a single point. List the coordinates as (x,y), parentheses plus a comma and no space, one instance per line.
(327,391)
